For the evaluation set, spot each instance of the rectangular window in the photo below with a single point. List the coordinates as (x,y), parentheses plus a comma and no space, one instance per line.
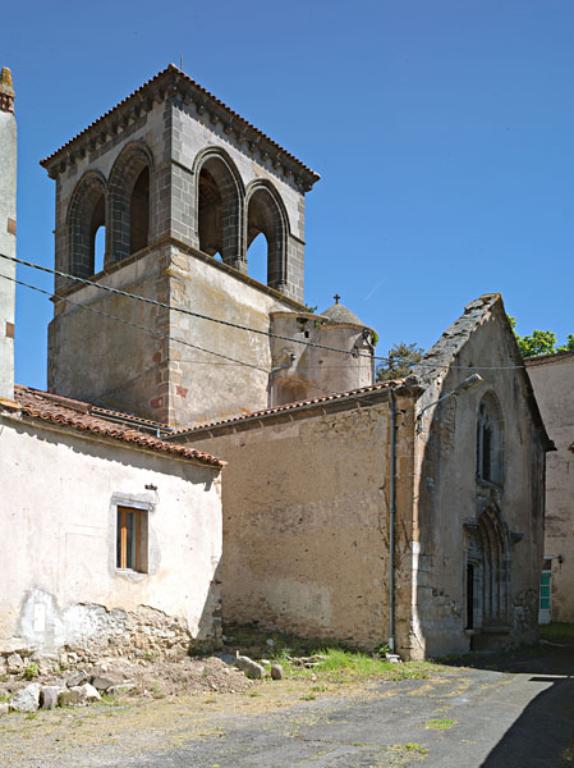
(131,539)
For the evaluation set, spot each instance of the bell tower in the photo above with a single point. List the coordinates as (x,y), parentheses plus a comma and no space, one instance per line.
(162,197)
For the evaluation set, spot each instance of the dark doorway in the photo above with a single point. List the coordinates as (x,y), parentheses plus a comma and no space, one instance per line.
(470,596)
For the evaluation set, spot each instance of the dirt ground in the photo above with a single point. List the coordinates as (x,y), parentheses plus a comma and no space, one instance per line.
(516,711)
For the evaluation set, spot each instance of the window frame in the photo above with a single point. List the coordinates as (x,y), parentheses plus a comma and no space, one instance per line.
(144,505)
(131,555)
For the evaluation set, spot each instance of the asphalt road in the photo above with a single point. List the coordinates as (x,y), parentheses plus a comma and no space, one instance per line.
(519,718)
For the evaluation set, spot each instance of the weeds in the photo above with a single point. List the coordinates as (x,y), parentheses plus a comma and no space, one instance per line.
(31,671)
(439,724)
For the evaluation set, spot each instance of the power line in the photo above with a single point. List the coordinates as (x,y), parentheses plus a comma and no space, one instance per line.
(189,312)
(145,329)
(239,326)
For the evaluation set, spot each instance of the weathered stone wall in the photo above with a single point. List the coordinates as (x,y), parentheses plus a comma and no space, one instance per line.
(306,506)
(113,360)
(302,371)
(100,351)
(203,386)
(97,350)
(553,381)
(192,133)
(7,247)
(451,499)
(60,584)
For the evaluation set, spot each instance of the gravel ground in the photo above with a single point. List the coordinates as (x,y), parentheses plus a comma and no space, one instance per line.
(520,715)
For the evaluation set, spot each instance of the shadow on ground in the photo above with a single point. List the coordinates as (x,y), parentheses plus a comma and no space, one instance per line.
(543,735)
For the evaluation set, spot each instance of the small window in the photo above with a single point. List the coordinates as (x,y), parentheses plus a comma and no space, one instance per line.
(131,539)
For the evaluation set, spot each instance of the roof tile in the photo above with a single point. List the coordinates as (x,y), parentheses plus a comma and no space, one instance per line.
(83,417)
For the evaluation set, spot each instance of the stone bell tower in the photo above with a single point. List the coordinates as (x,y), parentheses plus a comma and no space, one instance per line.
(162,197)
(8,164)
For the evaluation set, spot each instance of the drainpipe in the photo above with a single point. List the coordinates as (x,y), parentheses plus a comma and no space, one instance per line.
(392,520)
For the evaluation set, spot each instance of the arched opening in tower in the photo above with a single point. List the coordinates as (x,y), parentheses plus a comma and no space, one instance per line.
(98,236)
(139,212)
(266,239)
(210,215)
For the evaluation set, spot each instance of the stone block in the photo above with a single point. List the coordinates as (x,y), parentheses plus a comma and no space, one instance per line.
(15,664)
(76,678)
(26,699)
(69,698)
(49,696)
(103,683)
(88,693)
(250,668)
(276,672)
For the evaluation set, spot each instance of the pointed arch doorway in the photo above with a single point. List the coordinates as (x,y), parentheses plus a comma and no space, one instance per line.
(487,574)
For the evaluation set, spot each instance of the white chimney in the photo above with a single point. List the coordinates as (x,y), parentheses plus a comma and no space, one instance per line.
(7,235)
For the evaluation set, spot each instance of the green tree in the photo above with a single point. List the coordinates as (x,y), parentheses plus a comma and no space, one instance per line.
(540,342)
(400,360)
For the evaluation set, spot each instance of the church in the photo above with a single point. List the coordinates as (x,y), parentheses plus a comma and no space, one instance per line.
(212,450)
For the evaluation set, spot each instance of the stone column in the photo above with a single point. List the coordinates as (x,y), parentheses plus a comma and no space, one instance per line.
(7,234)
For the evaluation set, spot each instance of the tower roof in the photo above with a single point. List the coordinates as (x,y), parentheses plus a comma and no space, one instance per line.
(339,313)
(173,82)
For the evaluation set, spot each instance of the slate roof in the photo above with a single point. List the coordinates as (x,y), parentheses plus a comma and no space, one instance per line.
(101,422)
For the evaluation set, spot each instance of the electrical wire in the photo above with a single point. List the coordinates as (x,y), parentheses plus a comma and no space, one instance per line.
(239,326)
(145,329)
(183,310)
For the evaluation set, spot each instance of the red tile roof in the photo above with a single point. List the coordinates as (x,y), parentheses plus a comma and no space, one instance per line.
(172,71)
(114,425)
(352,394)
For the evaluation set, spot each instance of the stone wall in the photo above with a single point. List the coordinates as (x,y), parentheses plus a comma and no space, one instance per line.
(451,497)
(306,507)
(553,381)
(61,585)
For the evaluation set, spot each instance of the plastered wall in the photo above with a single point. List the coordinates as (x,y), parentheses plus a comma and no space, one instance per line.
(553,381)
(306,507)
(58,541)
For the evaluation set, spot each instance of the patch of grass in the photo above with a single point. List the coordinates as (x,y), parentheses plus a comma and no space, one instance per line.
(340,666)
(31,715)
(157,691)
(308,697)
(31,671)
(4,697)
(107,698)
(558,632)
(412,746)
(439,724)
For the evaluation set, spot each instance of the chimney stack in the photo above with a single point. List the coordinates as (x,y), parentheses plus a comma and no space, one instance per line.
(7,236)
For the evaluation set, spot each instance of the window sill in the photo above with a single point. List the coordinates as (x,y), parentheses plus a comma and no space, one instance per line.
(489,484)
(128,573)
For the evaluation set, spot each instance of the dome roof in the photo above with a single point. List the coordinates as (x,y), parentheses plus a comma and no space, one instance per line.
(338,313)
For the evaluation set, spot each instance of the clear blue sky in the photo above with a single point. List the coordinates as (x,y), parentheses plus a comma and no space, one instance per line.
(443,132)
